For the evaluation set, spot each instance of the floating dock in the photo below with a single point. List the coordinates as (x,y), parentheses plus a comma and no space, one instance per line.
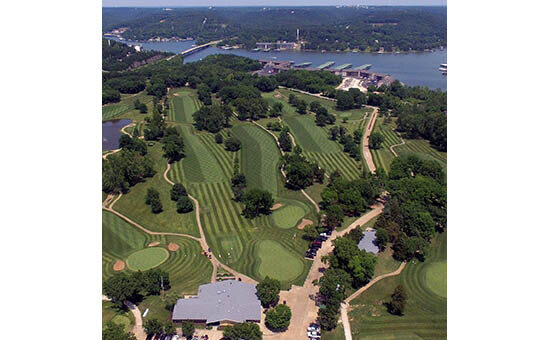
(342,67)
(306,64)
(364,67)
(325,65)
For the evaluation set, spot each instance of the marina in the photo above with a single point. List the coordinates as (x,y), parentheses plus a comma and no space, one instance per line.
(420,68)
(325,65)
(343,67)
(364,67)
(304,64)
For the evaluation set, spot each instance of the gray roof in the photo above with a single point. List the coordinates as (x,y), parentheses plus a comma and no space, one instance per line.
(224,300)
(368,242)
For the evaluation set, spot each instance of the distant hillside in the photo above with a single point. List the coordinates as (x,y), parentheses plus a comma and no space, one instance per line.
(120,57)
(321,28)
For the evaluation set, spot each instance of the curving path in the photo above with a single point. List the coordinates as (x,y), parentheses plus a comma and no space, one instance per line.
(345,305)
(202,240)
(301,300)
(283,153)
(366,151)
(138,322)
(393,146)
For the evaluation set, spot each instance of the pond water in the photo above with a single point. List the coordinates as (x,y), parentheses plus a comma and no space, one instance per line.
(419,68)
(111,133)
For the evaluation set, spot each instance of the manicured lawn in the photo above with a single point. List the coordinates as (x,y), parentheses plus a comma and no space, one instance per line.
(147,258)
(259,157)
(425,313)
(423,149)
(276,262)
(436,278)
(187,267)
(328,104)
(184,103)
(198,165)
(111,313)
(125,108)
(288,216)
(132,204)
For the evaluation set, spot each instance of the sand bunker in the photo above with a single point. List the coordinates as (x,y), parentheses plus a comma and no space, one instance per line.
(173,247)
(276,206)
(304,223)
(154,244)
(119,265)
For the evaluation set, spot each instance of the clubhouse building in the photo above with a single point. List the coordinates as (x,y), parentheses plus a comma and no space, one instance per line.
(220,303)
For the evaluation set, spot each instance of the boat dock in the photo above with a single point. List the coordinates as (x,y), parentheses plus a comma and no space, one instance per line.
(342,67)
(325,65)
(364,67)
(306,64)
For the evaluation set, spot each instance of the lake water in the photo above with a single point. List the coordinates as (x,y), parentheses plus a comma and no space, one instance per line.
(411,68)
(110,131)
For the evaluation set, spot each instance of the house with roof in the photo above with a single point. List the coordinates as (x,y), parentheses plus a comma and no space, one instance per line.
(224,303)
(368,242)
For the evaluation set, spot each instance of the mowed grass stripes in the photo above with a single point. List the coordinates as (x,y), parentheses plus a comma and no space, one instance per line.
(423,149)
(259,157)
(309,136)
(184,103)
(199,164)
(187,267)
(425,313)
(331,162)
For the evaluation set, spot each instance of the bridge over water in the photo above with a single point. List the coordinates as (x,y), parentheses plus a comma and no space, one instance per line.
(195,49)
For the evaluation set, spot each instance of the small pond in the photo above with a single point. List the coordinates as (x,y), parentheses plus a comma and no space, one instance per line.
(111,133)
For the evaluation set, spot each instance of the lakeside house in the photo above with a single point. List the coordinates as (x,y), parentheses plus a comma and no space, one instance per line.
(220,303)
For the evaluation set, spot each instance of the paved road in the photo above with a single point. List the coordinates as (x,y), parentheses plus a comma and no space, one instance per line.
(345,305)
(366,151)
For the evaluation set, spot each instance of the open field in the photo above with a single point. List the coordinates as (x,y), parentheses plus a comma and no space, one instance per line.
(187,267)
(111,313)
(183,103)
(147,258)
(425,313)
(125,108)
(133,204)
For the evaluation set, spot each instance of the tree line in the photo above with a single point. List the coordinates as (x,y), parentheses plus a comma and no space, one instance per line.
(323,28)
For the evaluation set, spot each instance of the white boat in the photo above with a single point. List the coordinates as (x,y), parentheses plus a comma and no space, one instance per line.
(443,65)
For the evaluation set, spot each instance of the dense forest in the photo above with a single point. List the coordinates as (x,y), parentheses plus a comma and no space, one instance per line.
(120,57)
(321,28)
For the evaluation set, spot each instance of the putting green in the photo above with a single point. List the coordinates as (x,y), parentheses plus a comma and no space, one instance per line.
(147,258)
(436,278)
(287,216)
(277,262)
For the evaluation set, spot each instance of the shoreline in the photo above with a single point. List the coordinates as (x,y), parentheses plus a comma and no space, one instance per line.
(124,40)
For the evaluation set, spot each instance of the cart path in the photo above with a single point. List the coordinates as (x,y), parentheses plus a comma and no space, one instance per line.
(366,151)
(301,300)
(138,325)
(393,146)
(345,305)
(215,262)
